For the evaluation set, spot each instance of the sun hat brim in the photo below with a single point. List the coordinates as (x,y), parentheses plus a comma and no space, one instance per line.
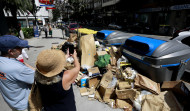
(50,62)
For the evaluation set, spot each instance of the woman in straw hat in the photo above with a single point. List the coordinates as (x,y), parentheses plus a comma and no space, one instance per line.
(54,82)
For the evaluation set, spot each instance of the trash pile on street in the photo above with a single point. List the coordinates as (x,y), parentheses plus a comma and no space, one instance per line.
(107,76)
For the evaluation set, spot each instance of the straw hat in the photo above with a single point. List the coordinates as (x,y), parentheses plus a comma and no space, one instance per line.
(50,62)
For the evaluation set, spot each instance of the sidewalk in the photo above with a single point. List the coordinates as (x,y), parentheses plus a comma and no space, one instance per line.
(41,43)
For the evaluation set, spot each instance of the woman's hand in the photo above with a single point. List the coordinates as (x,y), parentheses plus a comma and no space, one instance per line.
(74,54)
(67,54)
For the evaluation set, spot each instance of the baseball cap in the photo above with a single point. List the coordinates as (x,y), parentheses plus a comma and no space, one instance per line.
(10,42)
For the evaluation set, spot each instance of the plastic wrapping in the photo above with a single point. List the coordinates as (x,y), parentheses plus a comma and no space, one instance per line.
(137,102)
(70,59)
(122,59)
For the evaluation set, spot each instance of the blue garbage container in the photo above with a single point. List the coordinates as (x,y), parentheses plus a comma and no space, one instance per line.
(160,60)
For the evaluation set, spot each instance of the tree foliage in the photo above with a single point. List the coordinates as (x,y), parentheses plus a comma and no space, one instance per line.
(22,5)
(56,14)
(13,6)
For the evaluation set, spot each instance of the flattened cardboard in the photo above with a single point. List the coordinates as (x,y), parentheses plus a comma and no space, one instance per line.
(93,82)
(97,96)
(165,101)
(84,91)
(106,79)
(100,53)
(126,94)
(123,104)
(180,87)
(79,77)
(72,38)
(94,71)
(111,103)
(146,83)
(124,85)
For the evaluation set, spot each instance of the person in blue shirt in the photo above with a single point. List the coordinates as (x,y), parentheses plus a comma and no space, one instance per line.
(15,77)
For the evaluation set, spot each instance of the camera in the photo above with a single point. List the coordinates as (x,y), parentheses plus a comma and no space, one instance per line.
(67,45)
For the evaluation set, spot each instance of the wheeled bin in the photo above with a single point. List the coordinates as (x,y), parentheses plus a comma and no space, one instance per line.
(160,60)
(112,37)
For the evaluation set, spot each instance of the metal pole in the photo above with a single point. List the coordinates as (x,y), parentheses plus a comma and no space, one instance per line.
(34,12)
(27,24)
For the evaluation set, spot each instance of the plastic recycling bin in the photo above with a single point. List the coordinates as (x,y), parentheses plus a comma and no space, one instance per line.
(160,60)
(112,37)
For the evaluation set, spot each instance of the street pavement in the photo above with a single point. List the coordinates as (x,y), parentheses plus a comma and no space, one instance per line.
(40,43)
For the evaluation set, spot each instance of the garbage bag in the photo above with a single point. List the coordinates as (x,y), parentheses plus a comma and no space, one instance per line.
(103,61)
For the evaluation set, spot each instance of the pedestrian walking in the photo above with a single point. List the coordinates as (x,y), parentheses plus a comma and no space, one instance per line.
(50,30)
(63,31)
(15,77)
(21,34)
(67,33)
(46,30)
(54,81)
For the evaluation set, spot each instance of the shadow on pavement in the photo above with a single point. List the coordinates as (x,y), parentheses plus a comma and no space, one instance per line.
(52,37)
(36,46)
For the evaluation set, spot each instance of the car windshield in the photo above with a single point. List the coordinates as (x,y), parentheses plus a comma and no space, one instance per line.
(73,26)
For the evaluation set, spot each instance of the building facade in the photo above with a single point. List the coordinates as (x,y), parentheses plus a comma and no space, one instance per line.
(173,14)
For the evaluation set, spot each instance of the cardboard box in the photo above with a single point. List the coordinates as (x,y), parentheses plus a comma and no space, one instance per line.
(123,104)
(124,85)
(100,53)
(111,103)
(79,77)
(72,38)
(105,92)
(165,101)
(106,79)
(98,97)
(94,71)
(93,82)
(180,87)
(84,91)
(126,94)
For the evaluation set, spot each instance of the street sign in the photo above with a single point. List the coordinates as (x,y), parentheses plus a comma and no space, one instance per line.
(50,8)
(46,1)
(48,4)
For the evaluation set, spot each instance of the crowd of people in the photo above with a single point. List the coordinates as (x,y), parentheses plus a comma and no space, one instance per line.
(52,78)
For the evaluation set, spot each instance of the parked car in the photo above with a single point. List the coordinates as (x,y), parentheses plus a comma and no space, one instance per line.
(139,27)
(73,26)
(114,26)
(176,33)
(111,37)
(60,24)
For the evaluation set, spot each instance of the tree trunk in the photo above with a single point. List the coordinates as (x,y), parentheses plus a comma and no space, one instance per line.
(14,14)
(3,24)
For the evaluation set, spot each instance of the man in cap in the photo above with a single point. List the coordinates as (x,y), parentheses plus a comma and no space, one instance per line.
(15,77)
